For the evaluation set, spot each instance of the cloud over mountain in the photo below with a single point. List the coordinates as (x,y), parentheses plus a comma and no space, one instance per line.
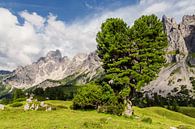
(23,43)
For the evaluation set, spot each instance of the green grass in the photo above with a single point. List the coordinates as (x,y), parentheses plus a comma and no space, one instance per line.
(145,118)
(189,111)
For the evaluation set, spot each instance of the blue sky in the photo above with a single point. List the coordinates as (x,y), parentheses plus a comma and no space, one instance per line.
(66,10)
(30,29)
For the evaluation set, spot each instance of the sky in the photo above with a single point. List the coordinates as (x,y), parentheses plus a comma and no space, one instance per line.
(31,28)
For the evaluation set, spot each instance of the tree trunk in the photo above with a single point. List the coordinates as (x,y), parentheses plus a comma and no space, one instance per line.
(128,108)
(132,93)
(128,104)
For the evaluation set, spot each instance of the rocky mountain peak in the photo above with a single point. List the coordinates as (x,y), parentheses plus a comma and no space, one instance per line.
(80,57)
(188,19)
(55,67)
(54,55)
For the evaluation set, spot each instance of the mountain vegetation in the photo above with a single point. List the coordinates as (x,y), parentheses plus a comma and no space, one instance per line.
(131,56)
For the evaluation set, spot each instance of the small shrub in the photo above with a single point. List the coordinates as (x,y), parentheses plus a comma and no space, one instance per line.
(41,109)
(87,97)
(18,93)
(105,120)
(20,100)
(147,120)
(112,109)
(184,127)
(92,124)
(5,101)
(53,108)
(16,104)
(40,98)
(62,106)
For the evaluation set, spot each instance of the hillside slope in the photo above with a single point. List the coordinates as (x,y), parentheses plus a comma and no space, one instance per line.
(16,118)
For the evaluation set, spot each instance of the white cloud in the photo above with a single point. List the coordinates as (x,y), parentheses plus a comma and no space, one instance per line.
(157,7)
(34,19)
(23,44)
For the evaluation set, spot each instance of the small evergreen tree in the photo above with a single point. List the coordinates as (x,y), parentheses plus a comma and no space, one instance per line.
(18,93)
(88,97)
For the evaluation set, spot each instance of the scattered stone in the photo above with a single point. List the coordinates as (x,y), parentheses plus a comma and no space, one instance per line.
(32,106)
(48,109)
(26,107)
(42,104)
(2,107)
(37,107)
(28,100)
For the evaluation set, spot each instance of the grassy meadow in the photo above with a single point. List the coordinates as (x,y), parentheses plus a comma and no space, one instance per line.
(65,118)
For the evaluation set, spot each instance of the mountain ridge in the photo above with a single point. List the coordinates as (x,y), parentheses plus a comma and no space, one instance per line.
(54,67)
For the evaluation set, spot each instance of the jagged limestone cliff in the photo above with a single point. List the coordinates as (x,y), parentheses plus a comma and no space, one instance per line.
(179,71)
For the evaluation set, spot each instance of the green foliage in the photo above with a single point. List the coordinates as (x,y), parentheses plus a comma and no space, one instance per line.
(96,124)
(19,99)
(39,91)
(149,42)
(63,92)
(18,93)
(108,97)
(88,97)
(147,120)
(183,97)
(54,93)
(189,111)
(4,89)
(5,101)
(114,108)
(193,83)
(183,127)
(16,104)
(131,56)
(175,52)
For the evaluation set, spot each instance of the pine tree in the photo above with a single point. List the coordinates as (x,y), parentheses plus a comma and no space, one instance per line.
(131,56)
(149,42)
(112,49)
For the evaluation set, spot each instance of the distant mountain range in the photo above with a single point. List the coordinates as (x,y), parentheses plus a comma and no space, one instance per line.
(82,68)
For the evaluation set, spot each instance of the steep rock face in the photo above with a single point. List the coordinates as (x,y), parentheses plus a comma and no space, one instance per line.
(180,57)
(55,67)
(177,49)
